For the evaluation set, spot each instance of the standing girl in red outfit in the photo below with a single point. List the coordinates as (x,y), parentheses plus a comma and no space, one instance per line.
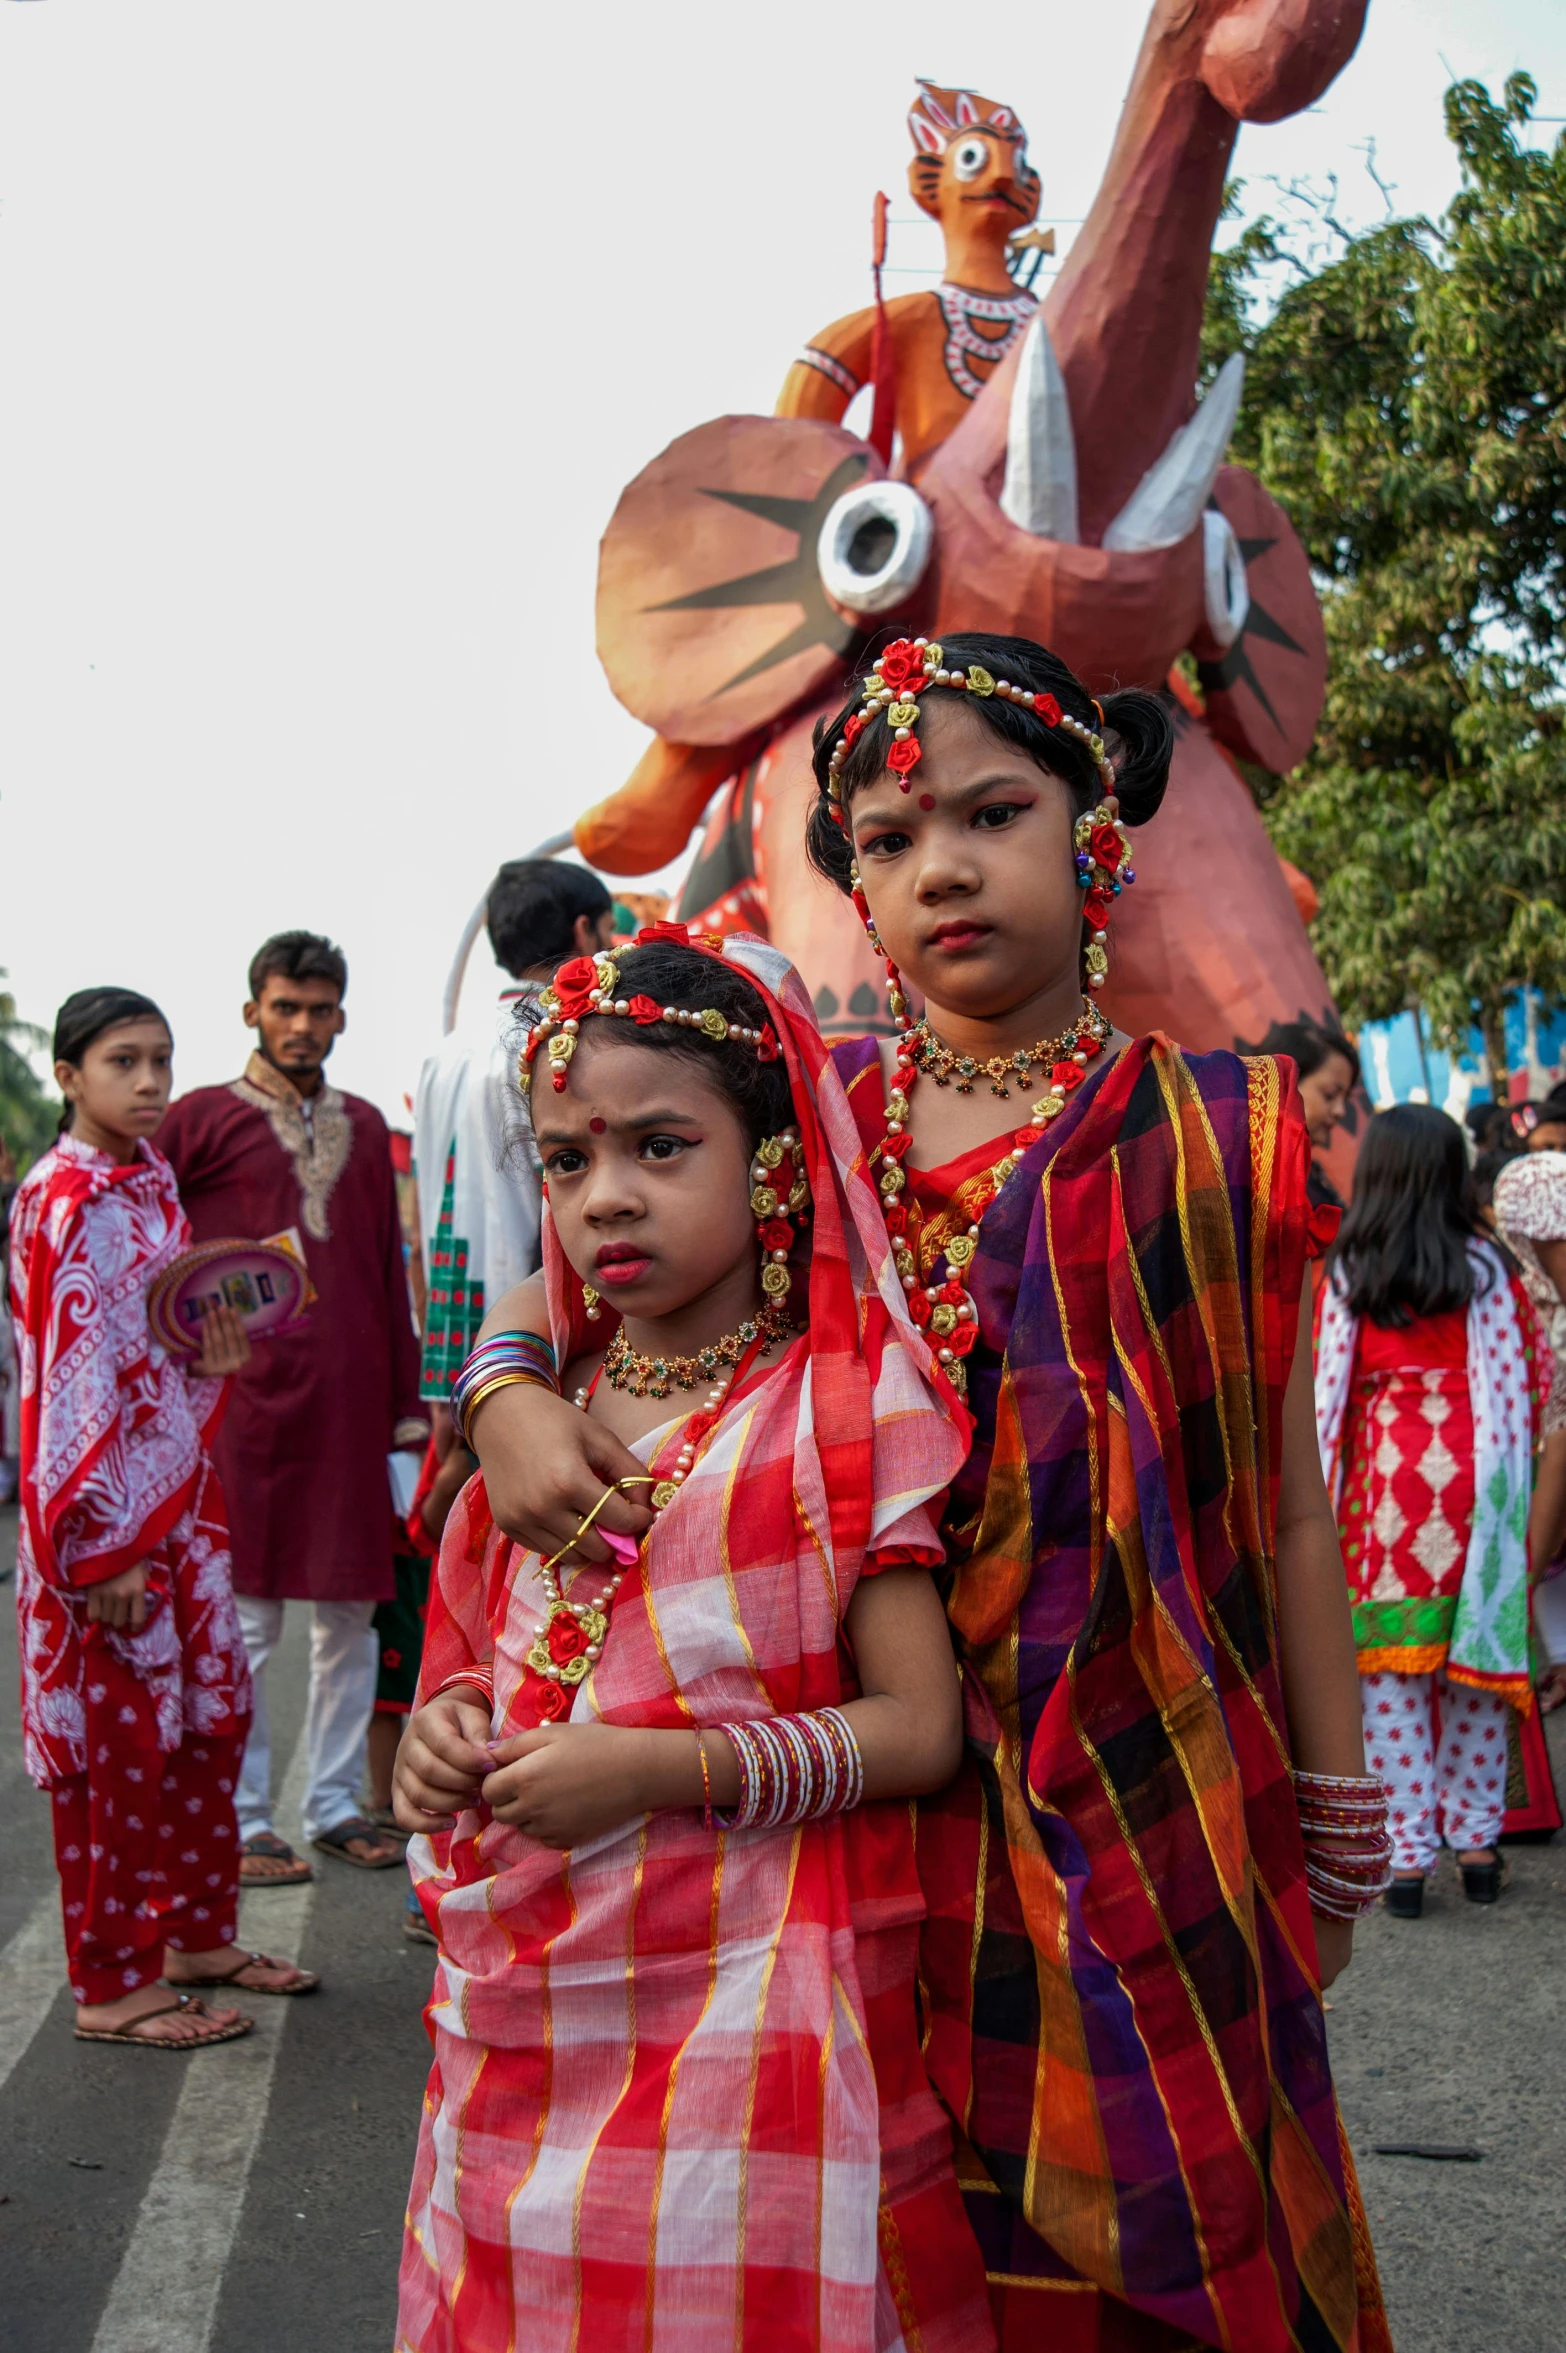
(1426,1371)
(135,1693)
(677,2099)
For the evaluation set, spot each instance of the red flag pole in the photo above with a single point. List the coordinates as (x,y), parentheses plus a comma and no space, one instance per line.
(883,364)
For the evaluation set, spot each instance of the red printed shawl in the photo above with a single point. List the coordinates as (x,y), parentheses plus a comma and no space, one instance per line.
(677,2101)
(1120,1962)
(114,1471)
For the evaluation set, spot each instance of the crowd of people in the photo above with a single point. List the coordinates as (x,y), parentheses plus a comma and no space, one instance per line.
(931,1580)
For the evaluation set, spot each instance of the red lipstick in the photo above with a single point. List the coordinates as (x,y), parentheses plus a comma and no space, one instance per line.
(618,1263)
(957,936)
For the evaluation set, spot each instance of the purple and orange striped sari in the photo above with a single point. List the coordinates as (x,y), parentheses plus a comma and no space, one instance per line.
(1119,1967)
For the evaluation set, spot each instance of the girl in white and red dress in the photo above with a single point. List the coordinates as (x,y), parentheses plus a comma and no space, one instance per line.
(135,1693)
(1428,1370)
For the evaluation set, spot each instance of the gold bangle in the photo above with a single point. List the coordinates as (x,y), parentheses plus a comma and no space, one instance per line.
(706,1783)
(500,1381)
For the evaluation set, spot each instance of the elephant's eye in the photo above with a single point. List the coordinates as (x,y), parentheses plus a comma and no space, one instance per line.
(970,158)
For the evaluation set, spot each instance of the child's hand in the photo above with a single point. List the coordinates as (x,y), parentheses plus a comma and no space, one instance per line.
(442,1759)
(120,1601)
(225,1345)
(564,1783)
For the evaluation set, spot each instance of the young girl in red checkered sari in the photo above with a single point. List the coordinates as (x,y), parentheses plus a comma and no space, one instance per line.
(677,2095)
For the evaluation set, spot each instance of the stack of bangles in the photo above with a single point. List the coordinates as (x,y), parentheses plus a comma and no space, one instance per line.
(1348,1852)
(791,1769)
(499,1364)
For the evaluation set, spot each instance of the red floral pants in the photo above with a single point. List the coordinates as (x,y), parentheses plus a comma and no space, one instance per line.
(148,1850)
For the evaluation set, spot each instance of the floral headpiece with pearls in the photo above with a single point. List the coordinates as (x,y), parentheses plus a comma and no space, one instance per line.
(586,986)
(891,691)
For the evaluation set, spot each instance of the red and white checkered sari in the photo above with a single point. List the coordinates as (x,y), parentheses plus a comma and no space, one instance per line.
(677,2100)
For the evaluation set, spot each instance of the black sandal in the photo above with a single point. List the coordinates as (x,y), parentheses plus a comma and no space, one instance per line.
(1406,1898)
(1483,1882)
(386,1852)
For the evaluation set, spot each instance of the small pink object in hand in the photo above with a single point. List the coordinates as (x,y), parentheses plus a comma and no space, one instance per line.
(624,1548)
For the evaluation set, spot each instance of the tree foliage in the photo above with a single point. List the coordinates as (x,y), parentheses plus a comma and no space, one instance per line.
(28,1113)
(1406,401)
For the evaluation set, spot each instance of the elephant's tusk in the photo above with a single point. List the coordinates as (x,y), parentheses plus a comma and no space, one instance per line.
(1165,504)
(1040,491)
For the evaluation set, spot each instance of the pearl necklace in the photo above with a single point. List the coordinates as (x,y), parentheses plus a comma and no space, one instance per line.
(945,1308)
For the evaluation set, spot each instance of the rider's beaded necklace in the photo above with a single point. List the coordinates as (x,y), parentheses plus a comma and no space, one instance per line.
(945,1307)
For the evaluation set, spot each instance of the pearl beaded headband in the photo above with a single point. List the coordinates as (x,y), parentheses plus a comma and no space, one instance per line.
(585,986)
(903,672)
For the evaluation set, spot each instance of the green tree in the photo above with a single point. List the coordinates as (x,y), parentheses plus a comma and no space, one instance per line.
(1406,401)
(28,1113)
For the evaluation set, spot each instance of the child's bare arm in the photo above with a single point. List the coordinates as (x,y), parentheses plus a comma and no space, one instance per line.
(1315,1628)
(568,1782)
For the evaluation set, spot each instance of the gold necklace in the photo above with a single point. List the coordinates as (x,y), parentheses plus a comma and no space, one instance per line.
(942,1063)
(654,1376)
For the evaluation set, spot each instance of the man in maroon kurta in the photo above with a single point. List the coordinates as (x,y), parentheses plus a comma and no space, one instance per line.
(302,1452)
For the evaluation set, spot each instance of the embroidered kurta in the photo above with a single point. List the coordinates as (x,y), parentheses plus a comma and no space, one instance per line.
(114,1471)
(302,1452)
(1119,1961)
(677,2100)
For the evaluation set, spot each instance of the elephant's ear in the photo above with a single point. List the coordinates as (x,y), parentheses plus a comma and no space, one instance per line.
(712,617)
(1265,690)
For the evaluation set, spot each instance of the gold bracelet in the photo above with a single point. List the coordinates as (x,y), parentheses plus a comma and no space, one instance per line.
(500,1381)
(636,1480)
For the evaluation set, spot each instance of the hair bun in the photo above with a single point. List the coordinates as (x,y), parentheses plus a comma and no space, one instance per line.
(1141,744)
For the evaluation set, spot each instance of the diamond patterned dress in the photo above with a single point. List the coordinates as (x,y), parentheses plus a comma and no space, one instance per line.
(1408,1490)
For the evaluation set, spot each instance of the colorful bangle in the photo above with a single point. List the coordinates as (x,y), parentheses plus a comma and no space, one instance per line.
(793,1769)
(1348,1848)
(498,1363)
(481,1679)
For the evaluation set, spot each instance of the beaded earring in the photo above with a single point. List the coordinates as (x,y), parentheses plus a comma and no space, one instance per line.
(591,1303)
(775,1210)
(896,994)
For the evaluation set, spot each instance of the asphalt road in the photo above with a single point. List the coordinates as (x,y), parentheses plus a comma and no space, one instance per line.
(250,2200)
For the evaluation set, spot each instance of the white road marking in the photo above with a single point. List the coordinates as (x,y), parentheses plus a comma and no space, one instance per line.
(165,2294)
(32,1978)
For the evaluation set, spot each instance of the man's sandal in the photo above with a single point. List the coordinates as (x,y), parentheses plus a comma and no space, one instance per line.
(304,1981)
(192,2007)
(265,1847)
(356,1831)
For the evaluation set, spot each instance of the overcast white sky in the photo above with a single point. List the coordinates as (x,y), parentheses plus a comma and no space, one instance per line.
(333,332)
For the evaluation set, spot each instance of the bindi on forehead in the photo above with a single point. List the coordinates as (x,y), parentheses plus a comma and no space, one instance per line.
(927,801)
(598,1126)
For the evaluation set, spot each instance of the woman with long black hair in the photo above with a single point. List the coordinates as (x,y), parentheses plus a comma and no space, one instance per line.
(1428,1372)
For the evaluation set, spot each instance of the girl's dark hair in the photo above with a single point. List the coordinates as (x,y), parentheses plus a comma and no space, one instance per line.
(87,1015)
(1309,1044)
(684,977)
(91,1011)
(1136,729)
(1403,1247)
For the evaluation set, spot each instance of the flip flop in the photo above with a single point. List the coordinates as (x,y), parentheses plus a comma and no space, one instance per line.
(336,1841)
(266,1845)
(305,1980)
(193,2007)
